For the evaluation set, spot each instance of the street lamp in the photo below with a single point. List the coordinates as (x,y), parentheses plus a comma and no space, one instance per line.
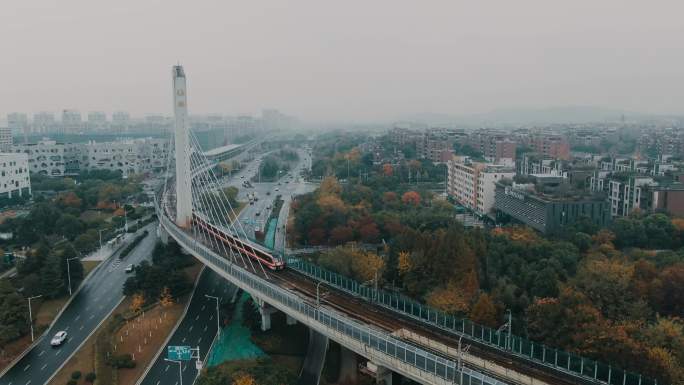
(318,297)
(100,232)
(180,368)
(31,314)
(218,327)
(69,273)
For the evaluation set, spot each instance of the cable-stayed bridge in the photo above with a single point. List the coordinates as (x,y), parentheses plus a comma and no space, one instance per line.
(395,333)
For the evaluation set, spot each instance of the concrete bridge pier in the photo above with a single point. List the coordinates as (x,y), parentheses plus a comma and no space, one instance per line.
(162,234)
(265,310)
(290,321)
(383,375)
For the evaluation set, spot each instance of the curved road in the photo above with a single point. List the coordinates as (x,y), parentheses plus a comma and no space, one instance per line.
(197,328)
(98,297)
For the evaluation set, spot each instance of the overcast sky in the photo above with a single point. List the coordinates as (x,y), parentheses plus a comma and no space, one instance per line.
(343,59)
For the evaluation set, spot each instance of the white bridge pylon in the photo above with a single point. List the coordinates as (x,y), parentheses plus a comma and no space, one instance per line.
(182,150)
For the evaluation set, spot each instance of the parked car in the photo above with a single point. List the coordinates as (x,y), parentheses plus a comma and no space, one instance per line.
(129,269)
(59,338)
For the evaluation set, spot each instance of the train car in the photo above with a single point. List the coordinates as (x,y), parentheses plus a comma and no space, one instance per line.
(254,252)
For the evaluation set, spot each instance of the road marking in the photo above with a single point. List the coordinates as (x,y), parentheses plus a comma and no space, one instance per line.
(81,328)
(199,340)
(203,307)
(167,368)
(58,351)
(158,381)
(91,316)
(67,328)
(27,366)
(29,381)
(205,327)
(44,366)
(211,317)
(183,339)
(77,317)
(41,353)
(190,329)
(196,318)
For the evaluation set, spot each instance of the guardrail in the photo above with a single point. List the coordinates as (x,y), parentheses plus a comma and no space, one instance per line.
(400,355)
(574,365)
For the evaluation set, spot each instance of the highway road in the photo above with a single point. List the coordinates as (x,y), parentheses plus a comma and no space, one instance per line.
(289,185)
(197,328)
(98,297)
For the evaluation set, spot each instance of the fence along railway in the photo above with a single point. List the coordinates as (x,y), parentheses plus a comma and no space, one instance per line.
(394,332)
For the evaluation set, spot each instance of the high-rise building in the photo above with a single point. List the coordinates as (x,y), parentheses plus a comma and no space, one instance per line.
(97,120)
(17,122)
(121,121)
(5,139)
(71,121)
(182,149)
(44,122)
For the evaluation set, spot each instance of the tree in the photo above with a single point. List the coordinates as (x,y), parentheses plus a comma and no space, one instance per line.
(341,234)
(69,226)
(366,265)
(13,313)
(411,198)
(68,199)
(387,170)
(244,379)
(330,186)
(166,299)
(369,232)
(51,279)
(137,302)
(404,263)
(484,311)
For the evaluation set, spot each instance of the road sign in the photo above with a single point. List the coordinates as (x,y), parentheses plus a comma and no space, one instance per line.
(179,353)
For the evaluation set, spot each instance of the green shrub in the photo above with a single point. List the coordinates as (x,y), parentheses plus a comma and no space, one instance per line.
(122,361)
(71,382)
(76,375)
(90,377)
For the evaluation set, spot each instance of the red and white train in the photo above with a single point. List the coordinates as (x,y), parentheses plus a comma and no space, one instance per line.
(254,252)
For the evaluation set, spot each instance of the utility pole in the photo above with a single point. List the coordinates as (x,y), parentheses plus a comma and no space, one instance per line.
(510,324)
(100,232)
(318,297)
(31,314)
(69,273)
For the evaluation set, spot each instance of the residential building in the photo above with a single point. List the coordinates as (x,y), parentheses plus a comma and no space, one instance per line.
(551,146)
(14,175)
(44,122)
(471,184)
(97,121)
(495,146)
(51,158)
(5,139)
(71,121)
(17,122)
(121,121)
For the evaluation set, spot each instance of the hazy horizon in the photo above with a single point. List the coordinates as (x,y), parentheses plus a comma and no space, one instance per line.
(350,61)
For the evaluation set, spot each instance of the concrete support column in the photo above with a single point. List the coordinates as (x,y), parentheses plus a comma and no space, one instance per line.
(265,310)
(383,376)
(163,235)
(290,320)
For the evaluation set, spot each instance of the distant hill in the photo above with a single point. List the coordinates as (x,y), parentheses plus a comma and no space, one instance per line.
(530,116)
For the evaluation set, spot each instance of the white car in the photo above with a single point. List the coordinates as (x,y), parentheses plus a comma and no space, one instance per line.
(129,269)
(59,338)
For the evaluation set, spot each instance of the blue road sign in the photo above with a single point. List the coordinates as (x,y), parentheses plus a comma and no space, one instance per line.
(179,353)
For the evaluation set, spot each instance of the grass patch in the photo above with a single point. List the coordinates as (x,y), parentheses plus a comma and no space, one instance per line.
(88,266)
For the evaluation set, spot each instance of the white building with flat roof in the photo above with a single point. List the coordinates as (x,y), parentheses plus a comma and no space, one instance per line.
(44,122)
(14,175)
(472,184)
(71,121)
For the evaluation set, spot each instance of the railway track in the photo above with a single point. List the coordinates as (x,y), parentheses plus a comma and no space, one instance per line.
(391,322)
